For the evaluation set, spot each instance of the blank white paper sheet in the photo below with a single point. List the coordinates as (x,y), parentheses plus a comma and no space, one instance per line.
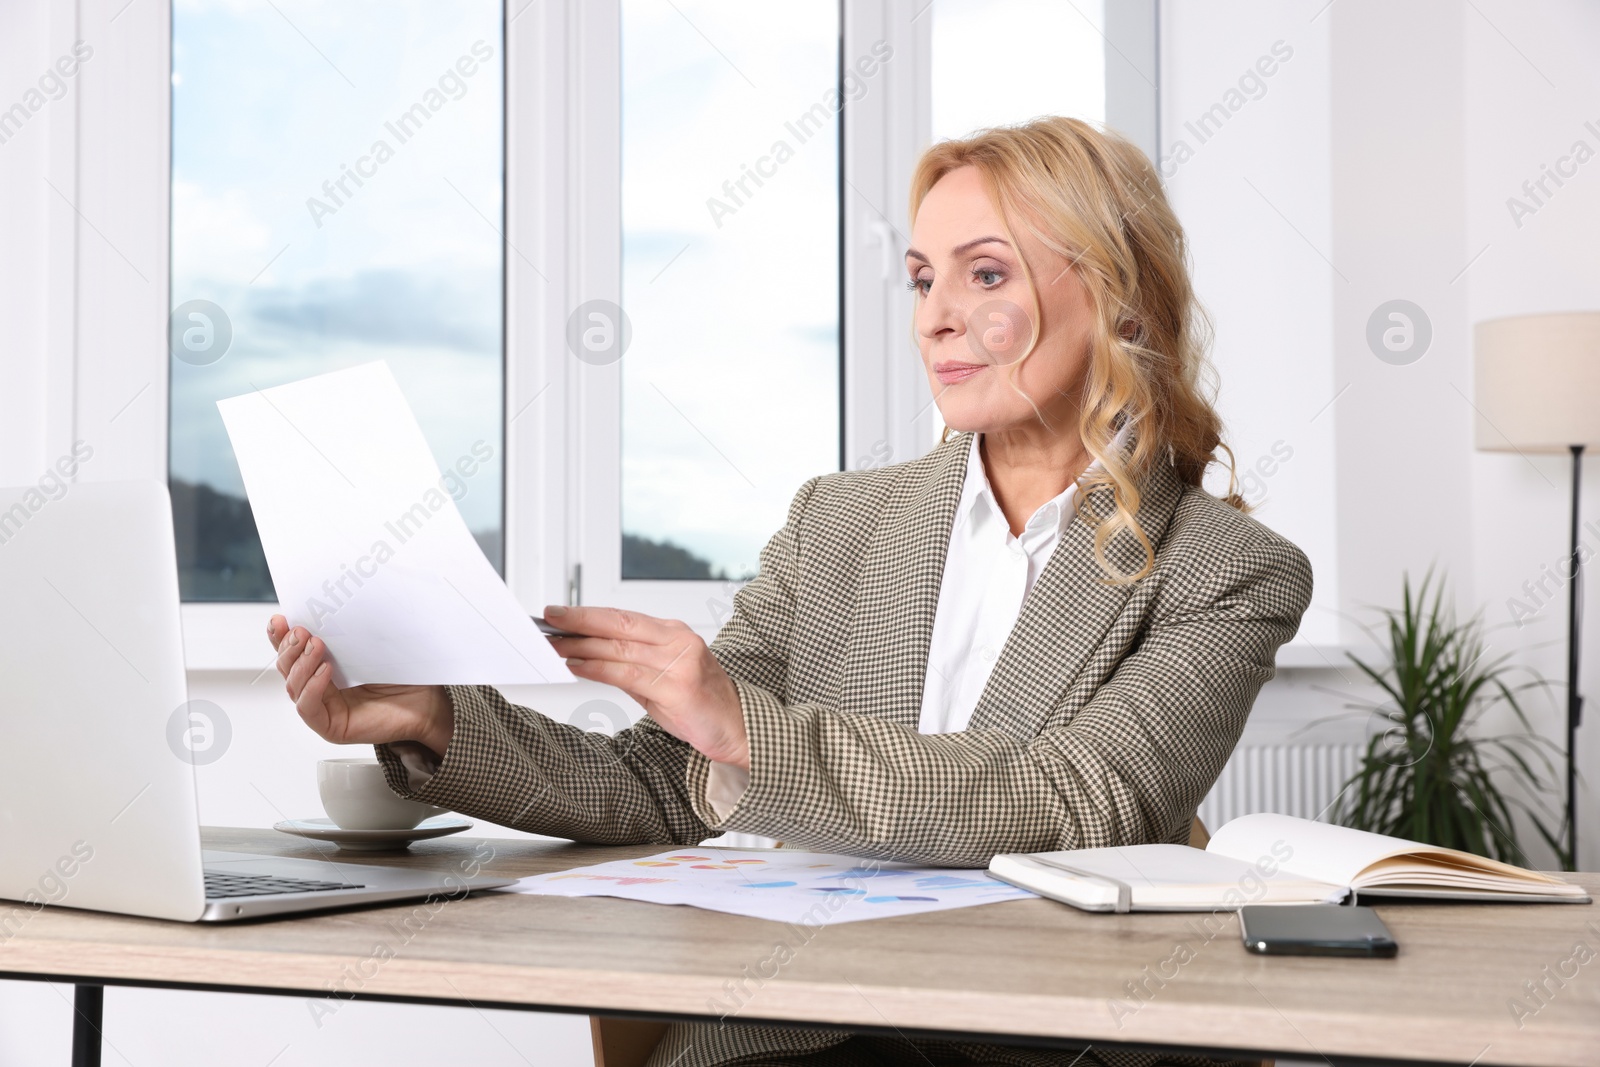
(364,542)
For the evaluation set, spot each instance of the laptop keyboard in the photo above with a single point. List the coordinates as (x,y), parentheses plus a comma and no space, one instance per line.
(223,884)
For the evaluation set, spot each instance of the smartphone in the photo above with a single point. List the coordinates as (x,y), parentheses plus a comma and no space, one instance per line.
(550,630)
(1314,930)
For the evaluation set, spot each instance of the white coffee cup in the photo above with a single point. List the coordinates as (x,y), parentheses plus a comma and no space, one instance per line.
(357,797)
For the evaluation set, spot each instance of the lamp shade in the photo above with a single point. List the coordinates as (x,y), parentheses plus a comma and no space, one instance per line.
(1537,380)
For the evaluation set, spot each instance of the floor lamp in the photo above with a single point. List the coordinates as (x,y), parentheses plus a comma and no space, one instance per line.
(1538,390)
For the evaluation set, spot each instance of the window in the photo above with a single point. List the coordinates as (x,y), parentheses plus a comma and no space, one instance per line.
(336,198)
(733,177)
(730,385)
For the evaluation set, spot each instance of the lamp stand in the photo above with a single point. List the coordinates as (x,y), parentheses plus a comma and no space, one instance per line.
(1574,701)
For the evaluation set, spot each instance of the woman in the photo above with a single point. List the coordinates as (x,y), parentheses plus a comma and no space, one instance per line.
(1043,634)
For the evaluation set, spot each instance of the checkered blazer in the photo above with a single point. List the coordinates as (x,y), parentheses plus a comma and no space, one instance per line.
(1109,714)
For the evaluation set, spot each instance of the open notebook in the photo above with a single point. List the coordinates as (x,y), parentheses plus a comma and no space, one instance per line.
(1273,859)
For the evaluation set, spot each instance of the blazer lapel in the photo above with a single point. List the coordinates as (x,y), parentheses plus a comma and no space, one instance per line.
(1066,616)
(886,659)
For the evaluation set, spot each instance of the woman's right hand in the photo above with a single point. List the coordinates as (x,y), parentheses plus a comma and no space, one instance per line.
(362,714)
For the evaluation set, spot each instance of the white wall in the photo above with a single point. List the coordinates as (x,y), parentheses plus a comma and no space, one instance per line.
(1531,91)
(1376,166)
(25,218)
(1252,190)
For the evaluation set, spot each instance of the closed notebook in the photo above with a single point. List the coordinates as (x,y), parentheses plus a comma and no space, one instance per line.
(1273,859)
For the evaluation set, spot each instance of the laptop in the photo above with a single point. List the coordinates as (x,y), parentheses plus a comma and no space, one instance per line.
(97,800)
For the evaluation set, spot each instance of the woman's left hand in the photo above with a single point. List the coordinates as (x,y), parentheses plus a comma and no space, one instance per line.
(665,666)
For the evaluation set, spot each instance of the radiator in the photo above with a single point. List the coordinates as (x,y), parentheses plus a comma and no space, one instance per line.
(1288,779)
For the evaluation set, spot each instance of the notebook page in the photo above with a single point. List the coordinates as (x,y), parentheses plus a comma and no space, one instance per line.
(1317,850)
(1365,860)
(1447,867)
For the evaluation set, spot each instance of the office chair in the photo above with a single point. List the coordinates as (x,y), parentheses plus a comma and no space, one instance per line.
(624,1042)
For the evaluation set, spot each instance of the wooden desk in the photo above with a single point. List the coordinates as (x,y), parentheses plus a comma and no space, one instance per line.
(1031,970)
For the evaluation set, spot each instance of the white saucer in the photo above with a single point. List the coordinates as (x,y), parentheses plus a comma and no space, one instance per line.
(373,840)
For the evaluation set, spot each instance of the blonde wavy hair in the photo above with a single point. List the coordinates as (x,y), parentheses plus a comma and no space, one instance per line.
(1094,198)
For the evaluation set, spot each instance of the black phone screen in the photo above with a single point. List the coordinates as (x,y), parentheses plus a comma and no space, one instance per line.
(1314,930)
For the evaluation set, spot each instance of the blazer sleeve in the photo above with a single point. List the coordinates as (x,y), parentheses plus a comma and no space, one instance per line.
(754,642)
(1129,767)
(520,768)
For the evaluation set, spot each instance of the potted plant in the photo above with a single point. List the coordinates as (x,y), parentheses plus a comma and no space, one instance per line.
(1430,776)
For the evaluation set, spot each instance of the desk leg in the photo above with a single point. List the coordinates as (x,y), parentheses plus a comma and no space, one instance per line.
(88,1002)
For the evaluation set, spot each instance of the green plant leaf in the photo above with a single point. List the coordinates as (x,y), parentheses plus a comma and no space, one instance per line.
(1428,775)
